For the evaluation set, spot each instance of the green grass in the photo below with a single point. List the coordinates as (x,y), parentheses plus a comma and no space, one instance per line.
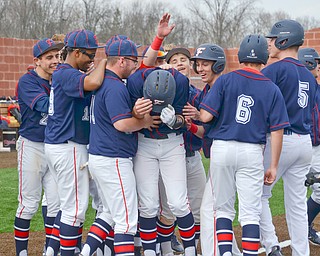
(9,192)
(9,204)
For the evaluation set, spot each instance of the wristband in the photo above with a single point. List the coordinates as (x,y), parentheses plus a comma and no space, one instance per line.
(156,43)
(193,128)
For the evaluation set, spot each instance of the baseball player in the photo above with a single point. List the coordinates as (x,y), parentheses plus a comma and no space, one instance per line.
(310,58)
(33,97)
(112,146)
(179,58)
(161,151)
(67,135)
(298,87)
(237,104)
(209,62)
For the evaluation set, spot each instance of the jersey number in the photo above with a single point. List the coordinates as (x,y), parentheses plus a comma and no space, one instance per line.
(302,94)
(51,107)
(92,117)
(44,119)
(243,113)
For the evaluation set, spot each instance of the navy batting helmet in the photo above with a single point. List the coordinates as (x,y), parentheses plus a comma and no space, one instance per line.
(287,33)
(160,87)
(253,49)
(309,57)
(213,53)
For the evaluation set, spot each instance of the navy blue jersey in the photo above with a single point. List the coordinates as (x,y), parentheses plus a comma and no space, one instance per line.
(30,89)
(68,117)
(206,141)
(298,87)
(135,87)
(246,106)
(315,125)
(191,141)
(110,104)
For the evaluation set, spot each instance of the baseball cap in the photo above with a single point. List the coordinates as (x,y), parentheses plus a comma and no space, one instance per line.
(45,45)
(161,53)
(85,39)
(174,51)
(121,47)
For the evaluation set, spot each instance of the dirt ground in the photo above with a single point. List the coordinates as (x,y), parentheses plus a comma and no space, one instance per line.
(36,241)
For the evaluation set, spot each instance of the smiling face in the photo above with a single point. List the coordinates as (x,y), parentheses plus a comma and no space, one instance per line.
(204,68)
(181,63)
(86,58)
(47,63)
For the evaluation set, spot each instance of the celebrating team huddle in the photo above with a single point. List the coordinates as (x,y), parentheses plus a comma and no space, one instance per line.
(131,136)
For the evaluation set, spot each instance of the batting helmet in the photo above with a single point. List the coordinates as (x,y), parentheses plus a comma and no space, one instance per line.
(287,33)
(309,57)
(253,49)
(160,87)
(213,53)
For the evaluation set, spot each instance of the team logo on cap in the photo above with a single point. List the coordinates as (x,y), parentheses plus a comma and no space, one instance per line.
(200,50)
(252,54)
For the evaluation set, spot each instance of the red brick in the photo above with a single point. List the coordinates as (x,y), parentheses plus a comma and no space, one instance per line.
(18,59)
(309,35)
(4,68)
(317,35)
(28,59)
(9,59)
(9,92)
(9,76)
(4,84)
(2,50)
(1,41)
(17,76)
(313,42)
(8,41)
(14,68)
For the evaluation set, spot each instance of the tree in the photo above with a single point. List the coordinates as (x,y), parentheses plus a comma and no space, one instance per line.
(220,21)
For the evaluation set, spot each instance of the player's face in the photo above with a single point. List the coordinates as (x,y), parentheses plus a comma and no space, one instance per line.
(48,61)
(131,64)
(181,63)
(205,71)
(86,58)
(160,62)
(316,71)
(272,49)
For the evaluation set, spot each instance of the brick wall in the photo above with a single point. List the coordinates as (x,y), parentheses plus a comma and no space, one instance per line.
(16,56)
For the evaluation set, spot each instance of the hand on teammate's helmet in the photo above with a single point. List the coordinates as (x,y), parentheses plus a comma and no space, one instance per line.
(168,116)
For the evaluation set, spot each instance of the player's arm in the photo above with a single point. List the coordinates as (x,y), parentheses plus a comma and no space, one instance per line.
(163,30)
(205,116)
(94,80)
(197,130)
(276,147)
(134,124)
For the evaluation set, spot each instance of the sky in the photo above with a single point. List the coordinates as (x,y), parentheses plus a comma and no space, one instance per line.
(295,8)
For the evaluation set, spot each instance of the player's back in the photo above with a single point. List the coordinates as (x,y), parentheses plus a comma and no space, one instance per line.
(298,87)
(68,110)
(30,89)
(247,106)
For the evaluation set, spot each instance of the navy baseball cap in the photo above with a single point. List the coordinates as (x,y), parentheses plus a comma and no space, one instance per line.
(45,45)
(85,39)
(121,47)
